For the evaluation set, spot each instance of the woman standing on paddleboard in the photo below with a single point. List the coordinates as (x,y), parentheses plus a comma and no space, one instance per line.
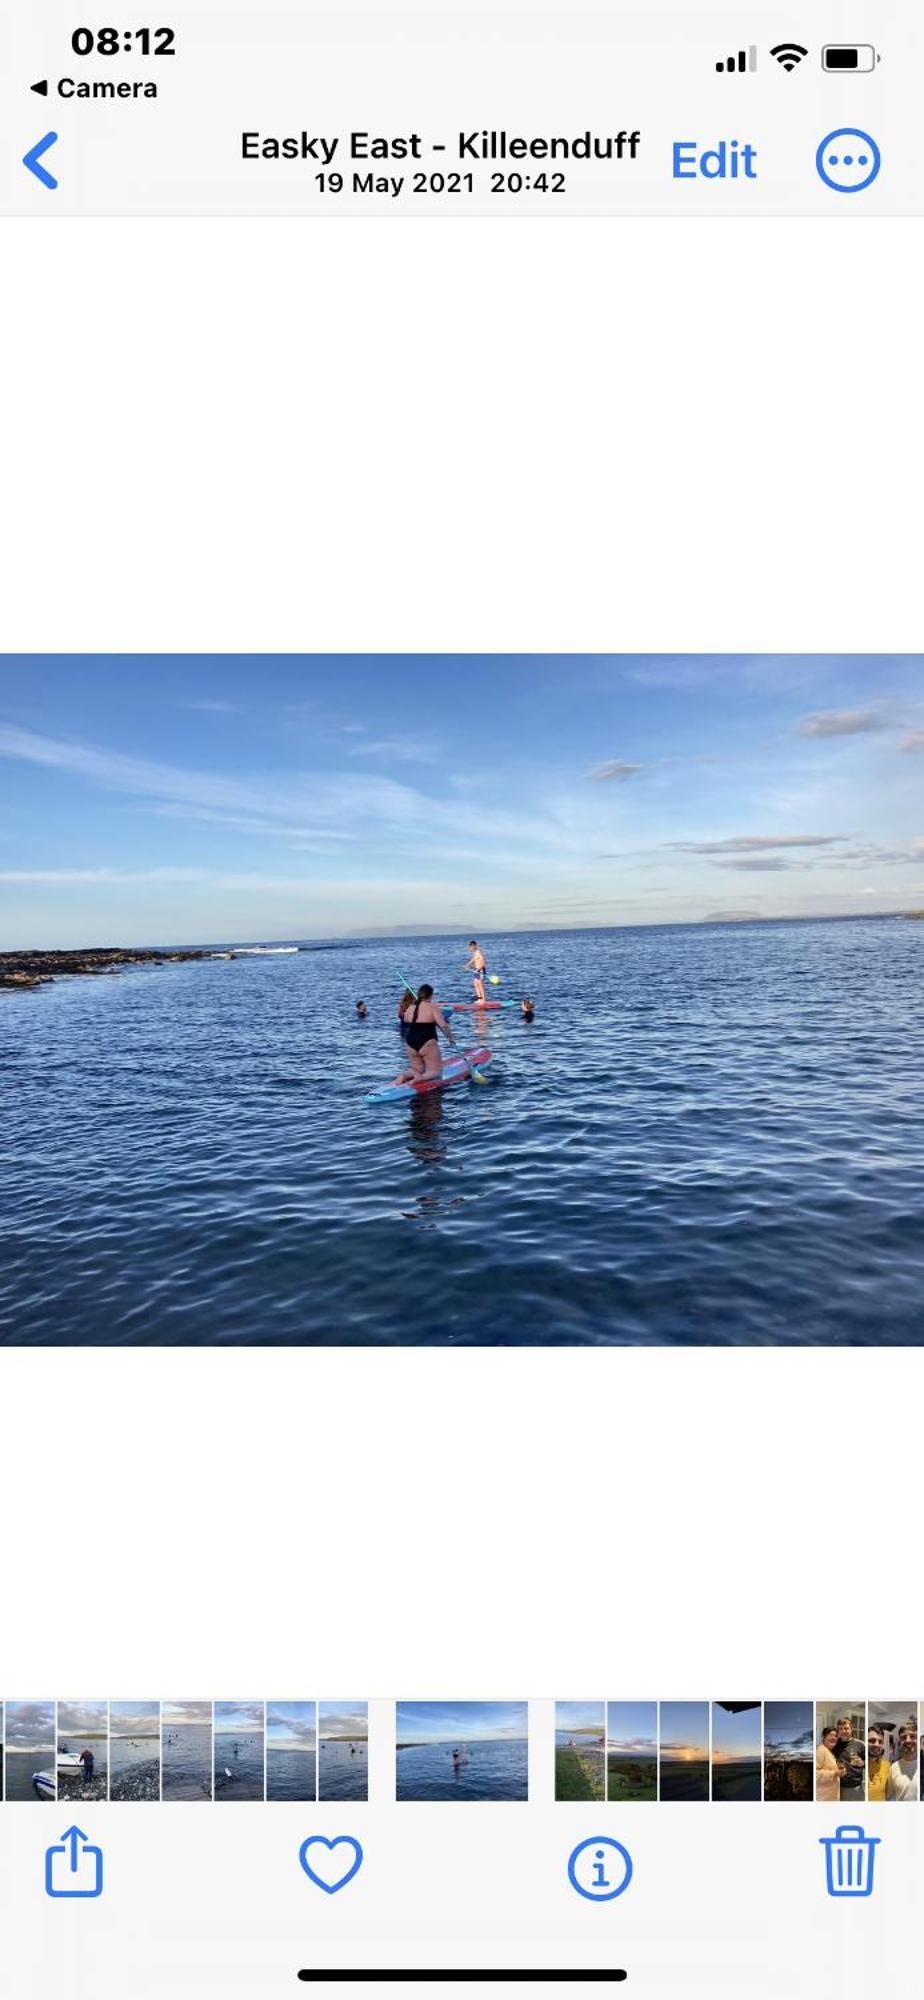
(423,1022)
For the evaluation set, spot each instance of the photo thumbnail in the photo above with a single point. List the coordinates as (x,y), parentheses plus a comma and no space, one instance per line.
(343,1750)
(134,1751)
(789,1750)
(462,1750)
(83,1750)
(631,1751)
(737,1749)
(893,1755)
(580,1750)
(30,1755)
(186,1750)
(614,998)
(683,1767)
(840,1752)
(239,1750)
(292,1750)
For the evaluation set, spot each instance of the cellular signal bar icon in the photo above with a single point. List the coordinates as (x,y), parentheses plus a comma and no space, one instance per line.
(736,65)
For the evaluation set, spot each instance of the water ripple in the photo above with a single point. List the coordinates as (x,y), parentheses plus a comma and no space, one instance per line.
(708,1135)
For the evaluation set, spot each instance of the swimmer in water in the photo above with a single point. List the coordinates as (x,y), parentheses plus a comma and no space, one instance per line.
(361,1010)
(527,1010)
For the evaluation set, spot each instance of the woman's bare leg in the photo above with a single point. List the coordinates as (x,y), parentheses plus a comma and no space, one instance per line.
(415,1070)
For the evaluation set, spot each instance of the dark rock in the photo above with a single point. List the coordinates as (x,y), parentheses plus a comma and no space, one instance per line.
(22,971)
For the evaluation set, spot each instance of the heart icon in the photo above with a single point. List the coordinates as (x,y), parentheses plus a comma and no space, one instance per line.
(329,1870)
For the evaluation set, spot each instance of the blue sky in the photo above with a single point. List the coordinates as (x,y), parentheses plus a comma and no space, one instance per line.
(580,1717)
(685,1729)
(789,1728)
(632,1726)
(208,798)
(460,1721)
(736,1735)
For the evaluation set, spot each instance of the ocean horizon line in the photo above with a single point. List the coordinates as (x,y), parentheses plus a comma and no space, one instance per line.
(331,941)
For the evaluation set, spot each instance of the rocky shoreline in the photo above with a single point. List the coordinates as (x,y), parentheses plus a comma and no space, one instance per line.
(80,1790)
(142,1782)
(24,971)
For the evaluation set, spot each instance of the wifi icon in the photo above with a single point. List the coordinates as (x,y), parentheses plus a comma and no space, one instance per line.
(788,54)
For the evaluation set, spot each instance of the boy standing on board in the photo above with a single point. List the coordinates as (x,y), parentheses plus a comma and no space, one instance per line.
(477,966)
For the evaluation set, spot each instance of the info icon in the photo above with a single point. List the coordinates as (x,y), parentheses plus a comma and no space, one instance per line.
(600,1869)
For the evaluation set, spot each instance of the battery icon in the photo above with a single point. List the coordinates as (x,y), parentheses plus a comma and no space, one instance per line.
(849,58)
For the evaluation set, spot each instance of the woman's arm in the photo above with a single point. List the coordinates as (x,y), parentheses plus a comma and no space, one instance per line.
(443,1025)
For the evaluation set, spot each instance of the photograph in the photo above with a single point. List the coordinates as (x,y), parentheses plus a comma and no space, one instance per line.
(239,1750)
(343,1750)
(580,1750)
(613,998)
(840,1752)
(134,1751)
(292,1750)
(631,1751)
(683,1761)
(789,1750)
(83,1751)
(462,1750)
(737,1749)
(30,1758)
(186,1750)
(892,1752)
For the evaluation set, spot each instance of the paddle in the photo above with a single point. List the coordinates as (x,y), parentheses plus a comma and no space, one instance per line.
(493,978)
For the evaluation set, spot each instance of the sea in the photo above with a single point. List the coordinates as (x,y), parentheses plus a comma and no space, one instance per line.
(240,1755)
(134,1767)
(709,1133)
(187,1761)
(291,1774)
(128,1753)
(343,1770)
(19,1766)
(493,1770)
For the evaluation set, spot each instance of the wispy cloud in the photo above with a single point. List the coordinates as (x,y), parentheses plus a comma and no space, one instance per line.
(213,707)
(613,773)
(913,742)
(755,843)
(129,877)
(841,722)
(761,864)
(397,749)
(325,806)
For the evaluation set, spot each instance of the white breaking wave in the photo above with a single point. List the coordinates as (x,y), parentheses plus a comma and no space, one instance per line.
(261,950)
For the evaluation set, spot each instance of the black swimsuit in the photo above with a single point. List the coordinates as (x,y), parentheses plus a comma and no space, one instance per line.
(417,1034)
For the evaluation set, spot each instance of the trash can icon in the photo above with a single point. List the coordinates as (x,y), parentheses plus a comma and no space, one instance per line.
(850,1856)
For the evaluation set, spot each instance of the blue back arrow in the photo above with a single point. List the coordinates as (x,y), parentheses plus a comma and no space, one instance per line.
(33,158)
